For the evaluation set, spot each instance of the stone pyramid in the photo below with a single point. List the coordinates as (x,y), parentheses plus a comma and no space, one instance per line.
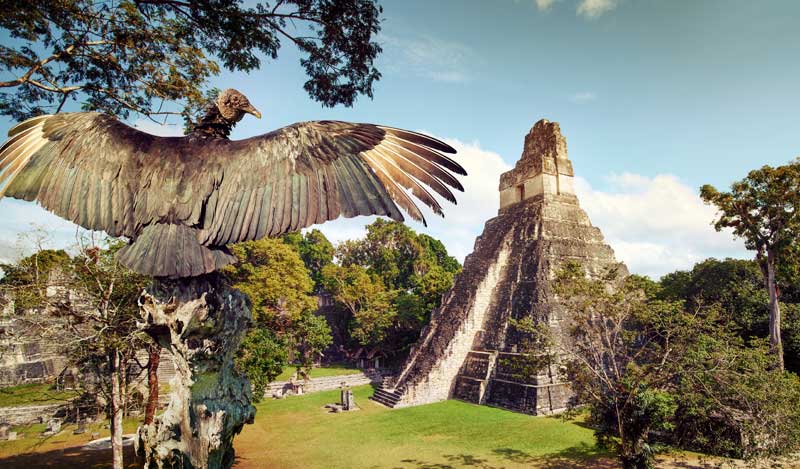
(469,348)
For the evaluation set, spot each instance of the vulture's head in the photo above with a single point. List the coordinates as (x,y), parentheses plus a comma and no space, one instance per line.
(233,105)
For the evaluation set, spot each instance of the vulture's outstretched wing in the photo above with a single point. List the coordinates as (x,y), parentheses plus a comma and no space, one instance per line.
(181,199)
(312,172)
(101,174)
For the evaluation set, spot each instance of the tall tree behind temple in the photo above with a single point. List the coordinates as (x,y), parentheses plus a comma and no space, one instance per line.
(131,55)
(764,210)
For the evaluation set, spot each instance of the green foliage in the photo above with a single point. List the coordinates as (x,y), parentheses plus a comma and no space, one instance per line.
(133,55)
(369,304)
(763,208)
(272,274)
(27,279)
(315,250)
(262,357)
(275,279)
(623,356)
(311,335)
(387,284)
(736,286)
(733,402)
(649,364)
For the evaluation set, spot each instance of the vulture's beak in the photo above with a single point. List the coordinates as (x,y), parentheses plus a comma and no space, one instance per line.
(253,111)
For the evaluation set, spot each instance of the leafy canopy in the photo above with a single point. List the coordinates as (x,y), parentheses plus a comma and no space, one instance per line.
(763,208)
(386,285)
(135,55)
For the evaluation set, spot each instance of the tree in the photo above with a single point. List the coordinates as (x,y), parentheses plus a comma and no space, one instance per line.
(733,402)
(413,270)
(622,358)
(109,293)
(653,372)
(271,273)
(262,357)
(315,250)
(764,210)
(87,305)
(371,312)
(737,287)
(135,55)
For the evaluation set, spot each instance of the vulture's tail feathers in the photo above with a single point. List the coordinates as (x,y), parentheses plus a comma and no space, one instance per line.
(173,251)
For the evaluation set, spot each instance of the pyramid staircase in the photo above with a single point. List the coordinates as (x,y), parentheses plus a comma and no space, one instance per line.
(386,395)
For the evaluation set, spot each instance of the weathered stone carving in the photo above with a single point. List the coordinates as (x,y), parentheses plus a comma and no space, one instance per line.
(201,322)
(469,348)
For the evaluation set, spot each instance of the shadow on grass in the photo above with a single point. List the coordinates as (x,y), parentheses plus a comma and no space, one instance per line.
(578,457)
(571,458)
(69,458)
(454,461)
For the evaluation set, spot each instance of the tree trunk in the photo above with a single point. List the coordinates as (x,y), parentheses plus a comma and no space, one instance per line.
(775,342)
(154,358)
(116,409)
(201,321)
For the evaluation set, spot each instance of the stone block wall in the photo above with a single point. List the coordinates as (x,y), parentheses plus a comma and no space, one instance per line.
(325,384)
(29,414)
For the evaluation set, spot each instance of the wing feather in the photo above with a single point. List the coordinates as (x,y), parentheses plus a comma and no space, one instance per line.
(102,174)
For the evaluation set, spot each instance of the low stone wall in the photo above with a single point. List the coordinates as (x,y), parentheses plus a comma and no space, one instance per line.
(323,384)
(29,414)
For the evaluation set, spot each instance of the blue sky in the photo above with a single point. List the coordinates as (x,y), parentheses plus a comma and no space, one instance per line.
(655,98)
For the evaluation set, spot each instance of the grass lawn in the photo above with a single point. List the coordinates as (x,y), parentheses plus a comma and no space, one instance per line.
(321,372)
(297,433)
(32,394)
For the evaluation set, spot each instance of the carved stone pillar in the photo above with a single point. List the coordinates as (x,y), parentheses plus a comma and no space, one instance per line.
(201,321)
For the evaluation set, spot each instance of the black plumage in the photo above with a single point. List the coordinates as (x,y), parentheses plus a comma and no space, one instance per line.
(180,200)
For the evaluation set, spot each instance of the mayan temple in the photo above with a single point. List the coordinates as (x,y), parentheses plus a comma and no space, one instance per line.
(469,349)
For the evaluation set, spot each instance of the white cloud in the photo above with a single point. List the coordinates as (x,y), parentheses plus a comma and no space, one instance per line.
(656,225)
(427,56)
(595,8)
(583,97)
(544,5)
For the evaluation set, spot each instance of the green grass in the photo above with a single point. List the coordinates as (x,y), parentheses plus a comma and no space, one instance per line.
(297,433)
(32,394)
(321,372)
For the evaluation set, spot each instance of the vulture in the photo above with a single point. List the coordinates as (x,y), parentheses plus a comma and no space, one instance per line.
(180,200)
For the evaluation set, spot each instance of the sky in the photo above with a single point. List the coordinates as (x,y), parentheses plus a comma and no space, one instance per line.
(655,98)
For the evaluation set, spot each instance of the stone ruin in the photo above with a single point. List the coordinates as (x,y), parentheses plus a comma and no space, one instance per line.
(470,351)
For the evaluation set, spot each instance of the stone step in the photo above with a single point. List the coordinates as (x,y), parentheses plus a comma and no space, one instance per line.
(386,398)
(387,395)
(387,403)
